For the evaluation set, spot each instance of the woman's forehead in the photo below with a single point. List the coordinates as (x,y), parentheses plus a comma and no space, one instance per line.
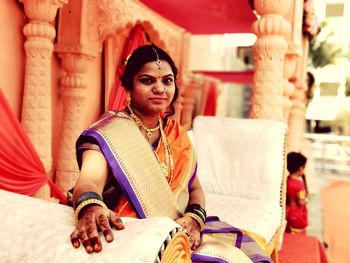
(152,68)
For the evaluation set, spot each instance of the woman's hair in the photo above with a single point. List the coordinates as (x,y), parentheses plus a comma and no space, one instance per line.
(295,161)
(138,59)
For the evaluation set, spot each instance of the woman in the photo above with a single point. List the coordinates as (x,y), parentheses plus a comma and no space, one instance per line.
(143,163)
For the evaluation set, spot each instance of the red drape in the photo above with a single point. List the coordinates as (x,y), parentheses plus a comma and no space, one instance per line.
(210,107)
(117,95)
(21,170)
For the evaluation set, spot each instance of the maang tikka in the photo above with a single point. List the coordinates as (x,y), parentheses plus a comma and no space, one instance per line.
(158,62)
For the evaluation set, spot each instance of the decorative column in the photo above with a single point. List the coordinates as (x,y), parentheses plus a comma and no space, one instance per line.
(183,74)
(73,89)
(294,17)
(189,99)
(36,107)
(296,122)
(269,53)
(78,46)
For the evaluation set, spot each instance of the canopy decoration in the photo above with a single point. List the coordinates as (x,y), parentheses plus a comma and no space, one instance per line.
(241,77)
(207,16)
(21,170)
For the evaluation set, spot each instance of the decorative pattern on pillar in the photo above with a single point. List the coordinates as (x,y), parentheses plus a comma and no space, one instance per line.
(36,107)
(72,85)
(269,53)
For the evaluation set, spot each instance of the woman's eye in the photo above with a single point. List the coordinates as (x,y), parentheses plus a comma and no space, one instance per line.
(146,81)
(168,81)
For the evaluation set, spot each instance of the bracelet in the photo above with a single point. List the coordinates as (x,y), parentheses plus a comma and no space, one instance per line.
(84,204)
(86,196)
(197,218)
(198,210)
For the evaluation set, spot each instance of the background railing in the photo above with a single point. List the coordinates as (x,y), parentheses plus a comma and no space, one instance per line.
(331,152)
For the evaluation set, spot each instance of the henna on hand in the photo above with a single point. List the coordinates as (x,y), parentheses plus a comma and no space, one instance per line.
(93,219)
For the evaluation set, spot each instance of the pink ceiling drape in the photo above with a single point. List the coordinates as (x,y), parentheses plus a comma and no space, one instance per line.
(21,170)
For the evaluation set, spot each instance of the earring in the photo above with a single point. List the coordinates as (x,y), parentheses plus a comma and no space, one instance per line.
(128,99)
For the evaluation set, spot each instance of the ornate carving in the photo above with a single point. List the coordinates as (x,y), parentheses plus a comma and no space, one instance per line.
(269,52)
(114,16)
(43,10)
(73,88)
(36,107)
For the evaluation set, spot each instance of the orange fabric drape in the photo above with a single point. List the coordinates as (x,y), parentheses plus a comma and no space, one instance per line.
(117,95)
(21,170)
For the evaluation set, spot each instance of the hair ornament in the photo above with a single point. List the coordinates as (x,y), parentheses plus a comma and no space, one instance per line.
(158,62)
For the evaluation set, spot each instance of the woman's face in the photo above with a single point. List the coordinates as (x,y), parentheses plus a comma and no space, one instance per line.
(153,88)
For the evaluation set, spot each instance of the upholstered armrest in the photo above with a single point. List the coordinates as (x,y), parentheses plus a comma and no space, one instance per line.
(241,169)
(34,230)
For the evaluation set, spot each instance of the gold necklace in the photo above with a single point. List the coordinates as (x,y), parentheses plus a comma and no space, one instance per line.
(148,131)
(168,157)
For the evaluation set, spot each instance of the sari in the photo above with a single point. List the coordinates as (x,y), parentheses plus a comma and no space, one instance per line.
(146,191)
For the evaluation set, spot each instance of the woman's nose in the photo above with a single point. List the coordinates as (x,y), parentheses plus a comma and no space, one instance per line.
(159,87)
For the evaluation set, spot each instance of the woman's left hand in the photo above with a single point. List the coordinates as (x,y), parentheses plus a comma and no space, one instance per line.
(192,228)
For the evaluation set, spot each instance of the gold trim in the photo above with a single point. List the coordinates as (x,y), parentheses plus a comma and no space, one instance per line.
(136,158)
(178,249)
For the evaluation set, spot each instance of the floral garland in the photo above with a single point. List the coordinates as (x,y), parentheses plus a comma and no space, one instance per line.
(310,24)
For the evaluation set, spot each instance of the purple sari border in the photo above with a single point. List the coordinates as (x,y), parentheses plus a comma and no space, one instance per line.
(260,258)
(221,230)
(239,240)
(192,177)
(204,258)
(211,219)
(117,171)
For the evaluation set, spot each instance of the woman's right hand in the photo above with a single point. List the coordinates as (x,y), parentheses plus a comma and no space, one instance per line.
(94,219)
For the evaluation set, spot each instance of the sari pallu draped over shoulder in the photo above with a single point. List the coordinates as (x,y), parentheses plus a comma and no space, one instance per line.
(136,168)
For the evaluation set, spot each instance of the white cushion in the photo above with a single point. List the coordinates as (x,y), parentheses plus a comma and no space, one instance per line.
(34,230)
(241,166)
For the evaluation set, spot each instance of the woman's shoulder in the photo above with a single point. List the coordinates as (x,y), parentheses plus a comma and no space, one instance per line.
(106,118)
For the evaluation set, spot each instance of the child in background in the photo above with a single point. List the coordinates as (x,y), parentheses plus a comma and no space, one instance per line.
(296,210)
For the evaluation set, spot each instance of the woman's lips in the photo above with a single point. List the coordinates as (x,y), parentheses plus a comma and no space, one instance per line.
(158,100)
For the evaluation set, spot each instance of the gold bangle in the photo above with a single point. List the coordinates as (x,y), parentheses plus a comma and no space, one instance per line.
(197,218)
(85,203)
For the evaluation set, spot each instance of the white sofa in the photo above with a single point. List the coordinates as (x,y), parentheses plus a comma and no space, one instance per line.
(241,168)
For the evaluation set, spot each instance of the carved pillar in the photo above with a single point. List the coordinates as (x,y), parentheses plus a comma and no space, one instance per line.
(36,107)
(296,122)
(78,46)
(294,17)
(73,89)
(189,99)
(269,53)
(178,103)
(183,74)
